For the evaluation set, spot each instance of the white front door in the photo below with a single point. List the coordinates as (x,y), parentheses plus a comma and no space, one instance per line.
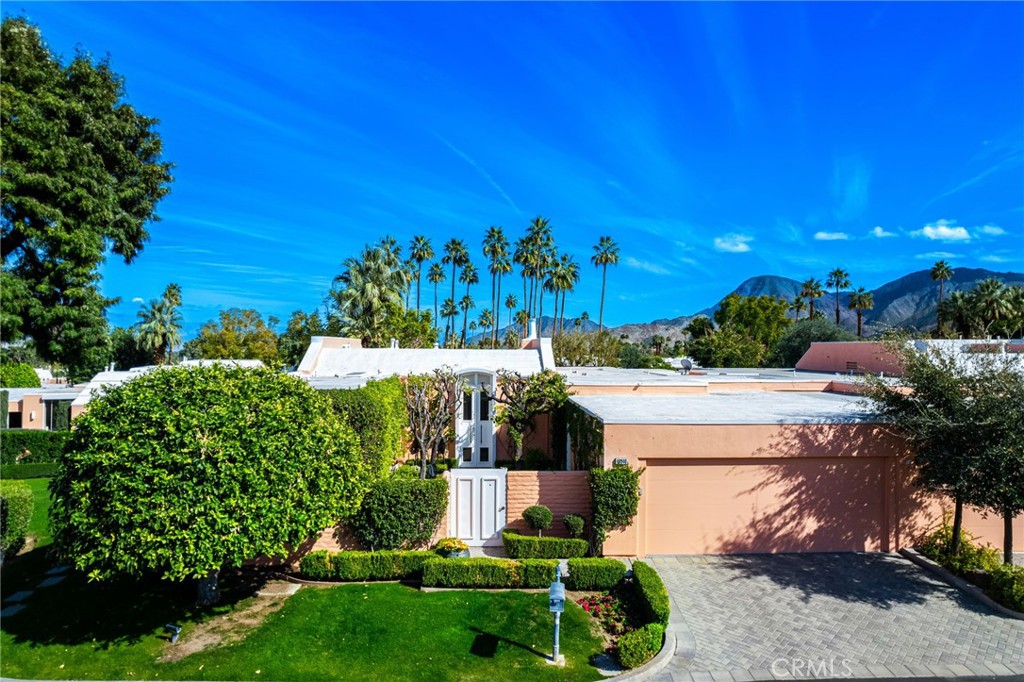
(476,506)
(474,428)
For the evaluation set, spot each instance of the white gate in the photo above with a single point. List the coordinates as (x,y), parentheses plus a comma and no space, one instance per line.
(476,505)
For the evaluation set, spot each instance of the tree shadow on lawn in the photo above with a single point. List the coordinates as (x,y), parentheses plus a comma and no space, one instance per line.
(115,612)
(485,644)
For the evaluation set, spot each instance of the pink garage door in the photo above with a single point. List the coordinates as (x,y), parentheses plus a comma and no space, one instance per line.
(706,506)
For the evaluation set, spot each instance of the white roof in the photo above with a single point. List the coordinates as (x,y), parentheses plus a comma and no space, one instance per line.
(731,407)
(323,361)
(104,380)
(47,392)
(619,376)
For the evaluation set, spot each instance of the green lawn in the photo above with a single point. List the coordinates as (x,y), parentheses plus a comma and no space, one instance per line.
(39,525)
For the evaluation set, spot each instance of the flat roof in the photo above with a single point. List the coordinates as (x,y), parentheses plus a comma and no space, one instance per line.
(375,363)
(729,407)
(51,392)
(619,376)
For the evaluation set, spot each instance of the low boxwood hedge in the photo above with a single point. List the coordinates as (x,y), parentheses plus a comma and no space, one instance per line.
(528,547)
(639,646)
(364,566)
(21,471)
(652,592)
(15,514)
(485,572)
(29,446)
(595,574)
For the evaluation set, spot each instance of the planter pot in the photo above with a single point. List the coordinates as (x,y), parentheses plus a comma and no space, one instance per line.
(453,554)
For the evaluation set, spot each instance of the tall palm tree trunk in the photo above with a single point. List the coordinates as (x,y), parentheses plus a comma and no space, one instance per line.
(436,319)
(419,279)
(810,314)
(561,325)
(600,314)
(837,306)
(860,316)
(497,315)
(938,311)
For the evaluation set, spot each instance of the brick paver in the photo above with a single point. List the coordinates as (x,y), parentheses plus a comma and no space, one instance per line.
(747,612)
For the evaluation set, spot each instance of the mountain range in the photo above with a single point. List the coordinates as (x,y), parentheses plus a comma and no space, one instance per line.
(909,301)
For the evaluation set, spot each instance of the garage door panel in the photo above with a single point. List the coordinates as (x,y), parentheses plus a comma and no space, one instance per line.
(772,505)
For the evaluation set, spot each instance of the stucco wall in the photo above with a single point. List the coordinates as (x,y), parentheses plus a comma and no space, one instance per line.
(833,356)
(564,492)
(28,405)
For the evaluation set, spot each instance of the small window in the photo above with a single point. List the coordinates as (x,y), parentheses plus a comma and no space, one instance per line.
(467,407)
(14,420)
(485,454)
(467,454)
(485,407)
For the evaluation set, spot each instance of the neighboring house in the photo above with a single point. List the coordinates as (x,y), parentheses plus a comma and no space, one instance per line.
(871,357)
(33,408)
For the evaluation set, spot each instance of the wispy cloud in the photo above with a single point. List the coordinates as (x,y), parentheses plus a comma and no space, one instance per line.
(992,230)
(138,299)
(831,236)
(881,232)
(851,178)
(1012,156)
(484,174)
(733,243)
(995,258)
(936,255)
(943,231)
(646,266)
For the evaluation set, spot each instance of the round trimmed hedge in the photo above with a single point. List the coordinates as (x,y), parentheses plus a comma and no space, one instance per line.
(185,471)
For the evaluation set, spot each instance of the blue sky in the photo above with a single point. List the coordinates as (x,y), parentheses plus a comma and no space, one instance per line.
(714,142)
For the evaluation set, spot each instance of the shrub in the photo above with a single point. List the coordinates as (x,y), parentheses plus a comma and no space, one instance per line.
(61,415)
(528,547)
(537,460)
(15,513)
(537,572)
(22,471)
(1007,586)
(969,557)
(18,375)
(363,566)
(28,446)
(798,338)
(639,646)
(574,523)
(400,513)
(595,574)
(539,517)
(453,545)
(316,565)
(5,399)
(614,495)
(378,414)
(652,593)
(480,572)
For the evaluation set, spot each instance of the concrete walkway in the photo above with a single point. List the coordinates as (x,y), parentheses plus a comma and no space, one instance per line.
(763,617)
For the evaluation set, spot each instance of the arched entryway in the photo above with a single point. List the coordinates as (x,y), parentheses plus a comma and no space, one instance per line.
(474,423)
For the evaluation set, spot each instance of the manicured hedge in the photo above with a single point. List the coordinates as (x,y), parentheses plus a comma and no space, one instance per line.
(614,496)
(595,574)
(486,572)
(400,513)
(21,471)
(378,414)
(641,645)
(528,547)
(41,446)
(15,514)
(1007,586)
(362,566)
(652,592)
(18,375)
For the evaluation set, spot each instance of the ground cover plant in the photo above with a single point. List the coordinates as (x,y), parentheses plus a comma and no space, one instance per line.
(978,563)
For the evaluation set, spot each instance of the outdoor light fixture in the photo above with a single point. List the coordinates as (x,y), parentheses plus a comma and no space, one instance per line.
(175,630)
(556,605)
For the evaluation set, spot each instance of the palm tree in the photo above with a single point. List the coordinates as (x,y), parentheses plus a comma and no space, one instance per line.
(511,302)
(606,252)
(523,319)
(449,311)
(840,279)
(465,305)
(496,250)
(421,251)
(861,300)
(160,324)
(811,290)
(468,276)
(435,275)
(539,243)
(455,254)
(501,267)
(1015,322)
(565,276)
(990,302)
(797,306)
(487,322)
(370,284)
(958,310)
(941,273)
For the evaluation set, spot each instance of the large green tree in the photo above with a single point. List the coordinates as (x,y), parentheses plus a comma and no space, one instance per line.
(238,334)
(522,398)
(82,174)
(186,472)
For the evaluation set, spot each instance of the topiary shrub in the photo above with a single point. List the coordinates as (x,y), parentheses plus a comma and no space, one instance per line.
(28,446)
(537,573)
(539,517)
(15,514)
(400,513)
(614,496)
(378,414)
(18,375)
(316,565)
(638,646)
(528,547)
(197,469)
(595,574)
(574,523)
(652,592)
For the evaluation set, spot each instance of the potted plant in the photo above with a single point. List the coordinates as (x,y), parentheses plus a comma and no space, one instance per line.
(451,548)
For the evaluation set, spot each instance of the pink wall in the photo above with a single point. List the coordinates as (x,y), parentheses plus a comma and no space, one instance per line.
(832,357)
(564,492)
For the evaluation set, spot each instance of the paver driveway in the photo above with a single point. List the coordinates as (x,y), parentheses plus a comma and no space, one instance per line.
(745,613)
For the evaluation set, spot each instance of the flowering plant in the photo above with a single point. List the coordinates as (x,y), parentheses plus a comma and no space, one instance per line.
(607,608)
(453,545)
